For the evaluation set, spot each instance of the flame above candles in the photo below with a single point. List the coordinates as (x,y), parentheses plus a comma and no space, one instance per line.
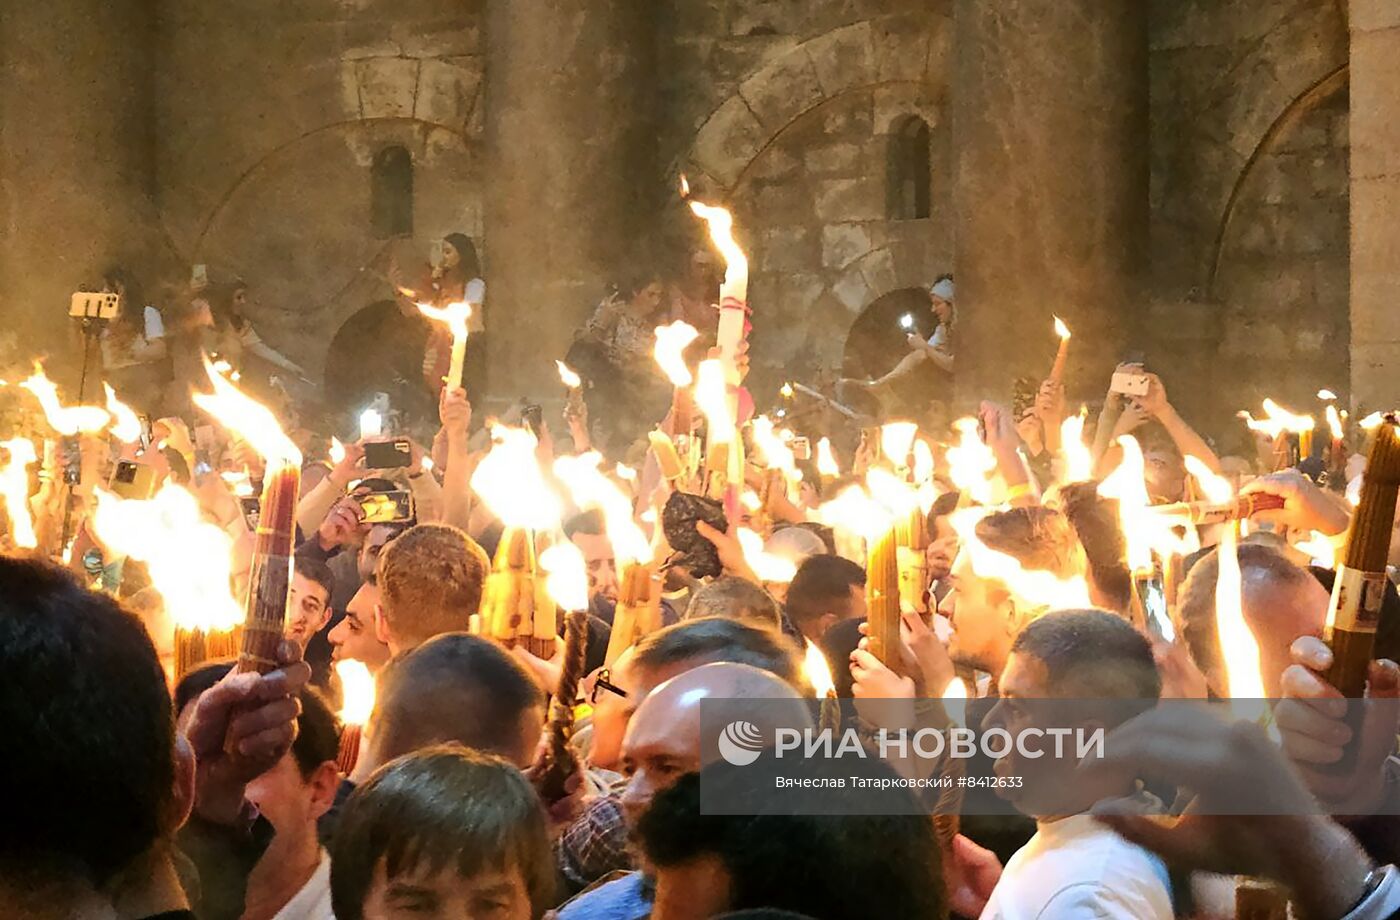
(591,489)
(669,351)
(773,450)
(817,671)
(511,483)
(721,227)
(454,316)
(126,426)
(14,486)
(1078,458)
(1035,586)
(896,440)
(357,691)
(189,559)
(568,376)
(711,395)
(66,420)
(337,451)
(765,565)
(1278,420)
(1334,422)
(249,419)
(1326,395)
(1061,329)
(971,462)
(826,459)
(566,576)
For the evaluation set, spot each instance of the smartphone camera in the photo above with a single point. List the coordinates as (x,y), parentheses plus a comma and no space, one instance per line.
(387,507)
(388,455)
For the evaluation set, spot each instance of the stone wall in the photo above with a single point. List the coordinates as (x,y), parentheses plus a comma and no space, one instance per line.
(266,142)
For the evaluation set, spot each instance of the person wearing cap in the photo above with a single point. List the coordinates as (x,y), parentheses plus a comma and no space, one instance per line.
(937,348)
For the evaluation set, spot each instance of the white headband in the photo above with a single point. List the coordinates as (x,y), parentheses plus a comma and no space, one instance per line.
(943,289)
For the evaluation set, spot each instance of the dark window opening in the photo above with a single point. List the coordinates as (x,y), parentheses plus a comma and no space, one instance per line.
(909,172)
(391,193)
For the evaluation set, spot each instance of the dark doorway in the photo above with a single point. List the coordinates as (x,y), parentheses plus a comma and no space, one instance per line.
(877,342)
(378,350)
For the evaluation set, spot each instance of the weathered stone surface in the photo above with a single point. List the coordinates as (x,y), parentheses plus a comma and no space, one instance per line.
(1372,15)
(388,86)
(849,199)
(780,92)
(728,141)
(834,158)
(901,48)
(1375,151)
(852,290)
(842,244)
(447,90)
(844,58)
(879,272)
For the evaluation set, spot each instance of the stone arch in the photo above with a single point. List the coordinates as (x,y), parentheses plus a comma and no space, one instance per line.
(863,55)
(376,349)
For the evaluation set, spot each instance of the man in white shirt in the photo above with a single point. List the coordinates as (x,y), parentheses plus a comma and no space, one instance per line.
(1074,866)
(292,879)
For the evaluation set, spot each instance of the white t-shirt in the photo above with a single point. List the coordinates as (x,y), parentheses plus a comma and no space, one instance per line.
(1078,868)
(313,901)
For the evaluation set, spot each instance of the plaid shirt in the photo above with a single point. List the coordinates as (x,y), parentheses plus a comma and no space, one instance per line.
(594,845)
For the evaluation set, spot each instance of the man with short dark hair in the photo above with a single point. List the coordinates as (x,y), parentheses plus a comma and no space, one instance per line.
(443,832)
(292,880)
(736,599)
(430,582)
(455,688)
(309,605)
(1074,866)
(825,591)
(354,637)
(588,532)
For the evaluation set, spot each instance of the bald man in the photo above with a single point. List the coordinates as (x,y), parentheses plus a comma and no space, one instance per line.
(662,744)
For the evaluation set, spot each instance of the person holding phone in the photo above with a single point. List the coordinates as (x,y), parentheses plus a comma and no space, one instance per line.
(455,278)
(134,358)
(937,348)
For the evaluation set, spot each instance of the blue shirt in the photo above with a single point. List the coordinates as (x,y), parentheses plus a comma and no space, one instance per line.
(626,898)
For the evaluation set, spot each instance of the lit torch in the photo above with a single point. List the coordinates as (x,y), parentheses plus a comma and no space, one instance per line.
(1278,423)
(14,483)
(567,583)
(734,292)
(1057,372)
(818,673)
(827,466)
(454,316)
(357,690)
(126,426)
(669,351)
(574,384)
(270,578)
(1078,459)
(515,605)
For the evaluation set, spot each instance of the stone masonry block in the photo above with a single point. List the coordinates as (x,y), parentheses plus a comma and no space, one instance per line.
(844,58)
(387,86)
(849,199)
(901,49)
(728,141)
(842,244)
(447,91)
(783,90)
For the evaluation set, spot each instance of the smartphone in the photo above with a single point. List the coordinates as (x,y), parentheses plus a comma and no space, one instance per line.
(94,306)
(906,322)
(133,480)
(388,455)
(801,448)
(532,417)
(1130,384)
(387,507)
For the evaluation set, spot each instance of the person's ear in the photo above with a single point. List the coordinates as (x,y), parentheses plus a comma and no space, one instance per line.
(324,783)
(381,625)
(825,622)
(182,791)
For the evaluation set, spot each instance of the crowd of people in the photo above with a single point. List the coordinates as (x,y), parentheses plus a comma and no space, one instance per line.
(148,780)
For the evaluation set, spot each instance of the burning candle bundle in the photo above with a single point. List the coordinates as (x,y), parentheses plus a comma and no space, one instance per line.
(270,580)
(1292,433)
(14,486)
(669,351)
(573,383)
(357,692)
(515,606)
(818,673)
(734,292)
(454,316)
(189,561)
(567,582)
(1057,372)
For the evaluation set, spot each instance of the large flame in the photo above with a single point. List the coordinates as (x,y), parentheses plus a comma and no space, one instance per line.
(826,459)
(712,396)
(126,426)
(1372,421)
(817,671)
(357,691)
(566,577)
(1326,395)
(1320,549)
(1128,485)
(1237,643)
(1078,458)
(454,316)
(337,451)
(1036,587)
(856,511)
(590,488)
(1277,420)
(66,420)
(669,351)
(511,483)
(1334,422)
(923,462)
(773,450)
(14,485)
(189,558)
(249,419)
(765,565)
(568,376)
(971,462)
(896,440)
(1061,329)
(1217,488)
(721,225)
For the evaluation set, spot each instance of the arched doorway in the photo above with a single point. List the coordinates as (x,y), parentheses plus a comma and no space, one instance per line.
(877,342)
(378,350)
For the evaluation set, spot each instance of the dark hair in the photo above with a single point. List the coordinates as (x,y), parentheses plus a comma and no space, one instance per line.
(446,806)
(454,687)
(711,639)
(1095,522)
(943,506)
(821,583)
(838,867)
(735,598)
(469,263)
(585,522)
(87,733)
(313,569)
(1090,654)
(318,733)
(192,686)
(430,578)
